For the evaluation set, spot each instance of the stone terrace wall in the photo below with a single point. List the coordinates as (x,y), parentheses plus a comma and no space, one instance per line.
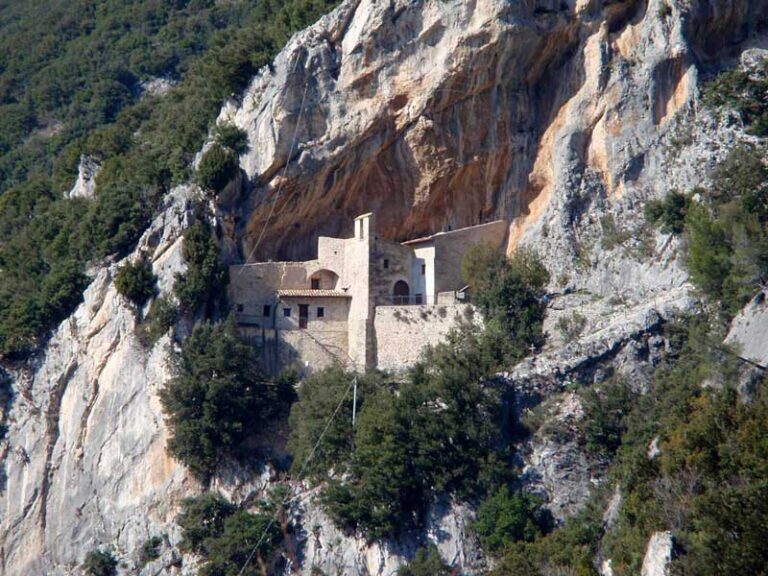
(403,332)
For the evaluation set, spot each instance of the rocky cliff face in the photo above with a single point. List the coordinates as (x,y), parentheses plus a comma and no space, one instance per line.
(560,116)
(440,114)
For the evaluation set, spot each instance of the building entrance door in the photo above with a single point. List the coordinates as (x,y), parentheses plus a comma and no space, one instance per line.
(303,315)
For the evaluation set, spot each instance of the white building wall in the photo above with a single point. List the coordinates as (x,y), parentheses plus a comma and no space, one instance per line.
(424,283)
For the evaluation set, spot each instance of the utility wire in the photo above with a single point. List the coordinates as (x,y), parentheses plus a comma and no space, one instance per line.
(285,171)
(299,475)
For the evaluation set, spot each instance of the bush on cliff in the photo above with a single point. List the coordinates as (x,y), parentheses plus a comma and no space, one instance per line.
(426,562)
(205,276)
(100,563)
(218,167)
(136,282)
(217,397)
(510,293)
(225,536)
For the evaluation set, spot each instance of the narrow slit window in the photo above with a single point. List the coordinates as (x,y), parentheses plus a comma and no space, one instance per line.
(386,264)
(320,312)
(423,269)
(267,311)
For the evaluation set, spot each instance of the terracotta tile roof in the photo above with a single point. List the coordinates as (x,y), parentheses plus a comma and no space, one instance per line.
(314,293)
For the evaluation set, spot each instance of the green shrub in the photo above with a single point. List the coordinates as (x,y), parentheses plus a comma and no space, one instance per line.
(232,137)
(613,235)
(205,277)
(743,92)
(136,282)
(225,536)
(217,396)
(217,168)
(202,518)
(426,562)
(439,433)
(668,213)
(150,550)
(572,326)
(99,563)
(510,294)
(505,518)
(605,408)
(162,316)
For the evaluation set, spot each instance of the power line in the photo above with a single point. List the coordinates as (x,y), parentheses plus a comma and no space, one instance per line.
(285,171)
(298,476)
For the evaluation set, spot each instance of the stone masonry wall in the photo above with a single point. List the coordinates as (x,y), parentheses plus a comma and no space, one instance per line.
(403,332)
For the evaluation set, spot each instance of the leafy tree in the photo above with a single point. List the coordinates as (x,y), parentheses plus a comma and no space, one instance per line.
(218,167)
(426,562)
(668,212)
(226,536)
(217,396)
(162,316)
(505,518)
(243,531)
(202,518)
(232,137)
(136,282)
(318,397)
(438,433)
(100,563)
(205,276)
(150,550)
(605,408)
(510,295)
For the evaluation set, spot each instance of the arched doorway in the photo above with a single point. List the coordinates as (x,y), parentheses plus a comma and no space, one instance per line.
(401,293)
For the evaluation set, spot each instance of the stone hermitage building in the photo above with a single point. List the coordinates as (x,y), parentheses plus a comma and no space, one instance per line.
(365,302)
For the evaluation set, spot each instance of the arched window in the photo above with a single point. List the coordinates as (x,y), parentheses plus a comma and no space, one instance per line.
(324,280)
(401,292)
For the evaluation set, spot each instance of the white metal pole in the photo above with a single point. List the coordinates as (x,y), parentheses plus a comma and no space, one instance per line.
(354,403)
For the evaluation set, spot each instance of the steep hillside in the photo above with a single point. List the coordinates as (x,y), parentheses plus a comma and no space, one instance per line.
(566,119)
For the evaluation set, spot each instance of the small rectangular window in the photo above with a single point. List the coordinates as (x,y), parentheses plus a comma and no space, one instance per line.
(386,264)
(423,269)
(267,310)
(287,312)
(239,307)
(315,283)
(320,312)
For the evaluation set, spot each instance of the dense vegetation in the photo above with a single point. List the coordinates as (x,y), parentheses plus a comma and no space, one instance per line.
(217,397)
(441,432)
(136,282)
(744,91)
(70,80)
(225,536)
(426,562)
(725,227)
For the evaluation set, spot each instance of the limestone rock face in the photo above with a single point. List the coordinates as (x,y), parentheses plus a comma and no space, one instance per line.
(437,114)
(85,185)
(562,117)
(658,554)
(749,332)
(85,461)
